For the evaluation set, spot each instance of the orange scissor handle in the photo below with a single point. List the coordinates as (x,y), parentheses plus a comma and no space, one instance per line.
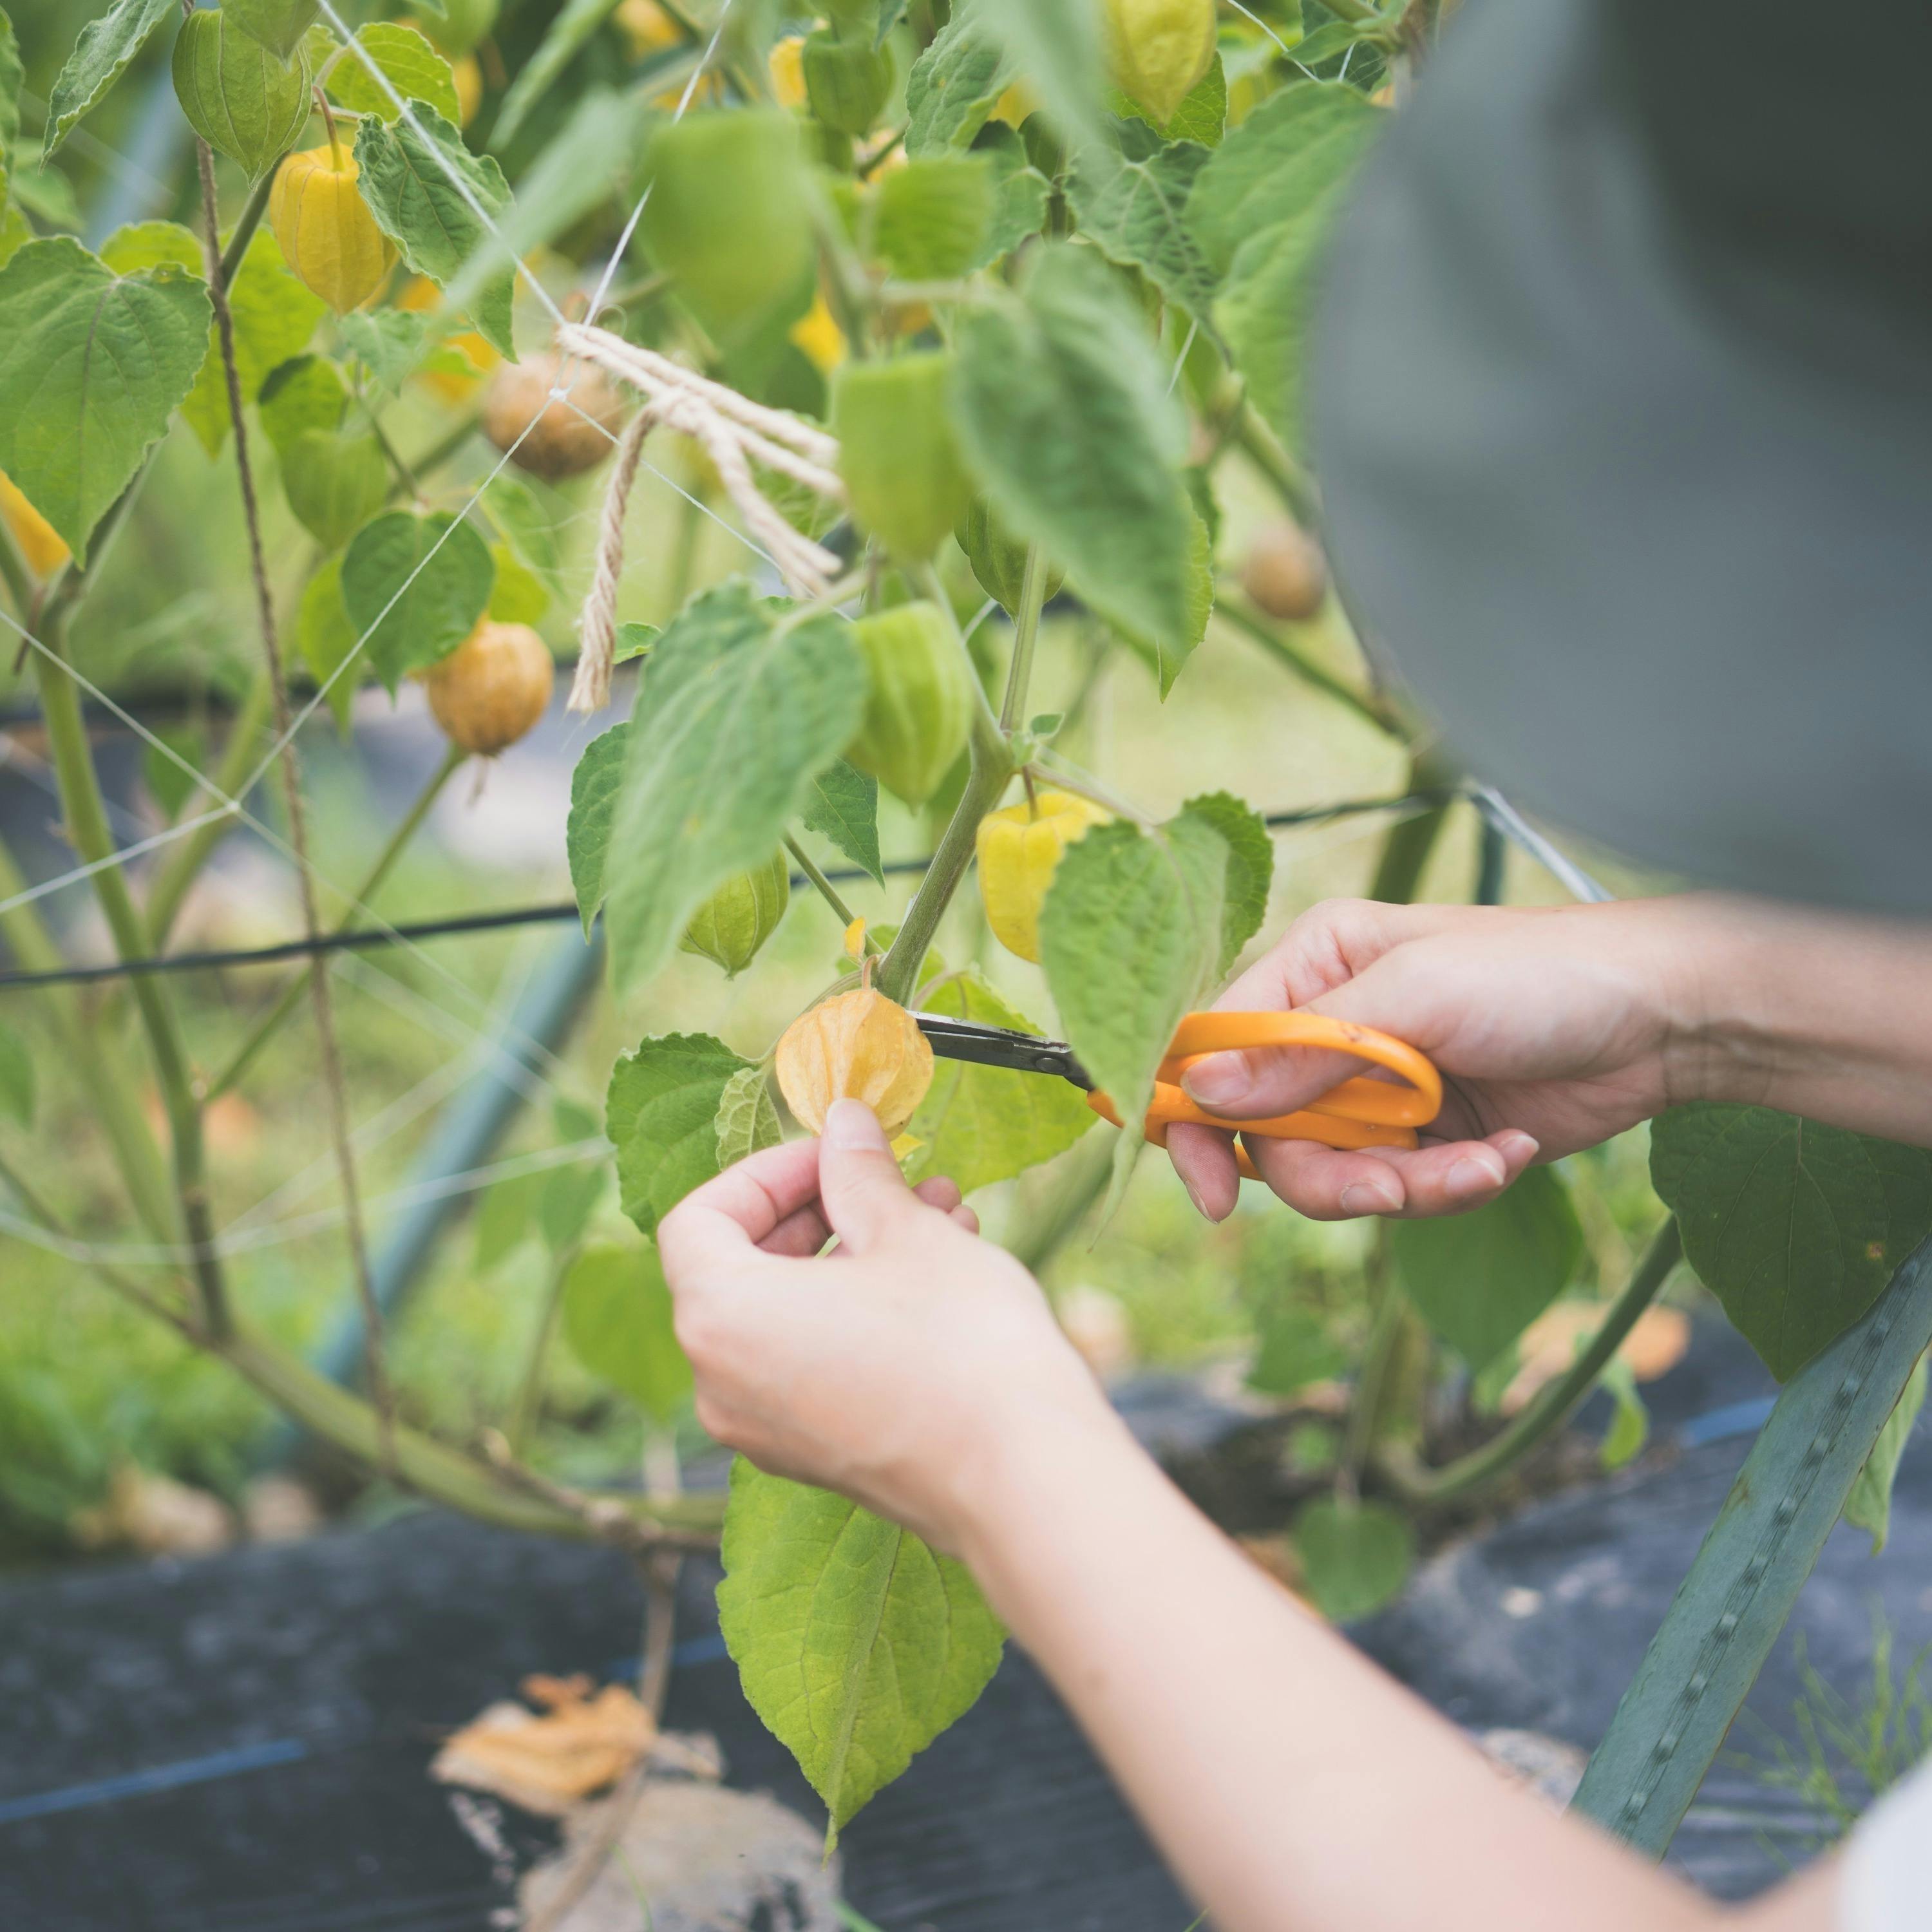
(1358,1112)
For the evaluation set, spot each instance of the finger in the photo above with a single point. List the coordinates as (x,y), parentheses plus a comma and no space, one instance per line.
(1328,1184)
(865,1195)
(967,1218)
(727,1217)
(1204,1157)
(799,1236)
(941,1192)
(1455,1176)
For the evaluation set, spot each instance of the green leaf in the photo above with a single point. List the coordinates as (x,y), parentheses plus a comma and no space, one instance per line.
(1261,209)
(151,244)
(168,785)
(415,586)
(1202,116)
(1296,1349)
(48,196)
(1630,1423)
(593,803)
(567,1200)
(981,1124)
(1057,49)
(662,1114)
(956,84)
(279,25)
(304,394)
(1355,1557)
(1167,662)
(1794,1226)
(933,216)
(13,76)
(503,1219)
(518,596)
(326,639)
(737,710)
(95,362)
(1130,935)
(389,342)
(617,1319)
(405,178)
(513,508)
(1020,193)
(855,1643)
(1479,1279)
(1244,899)
(16,1078)
(1869,1506)
(747,1120)
(99,56)
(843,805)
(15,232)
(572,25)
(413,67)
(274,314)
(1136,211)
(1065,414)
(634,641)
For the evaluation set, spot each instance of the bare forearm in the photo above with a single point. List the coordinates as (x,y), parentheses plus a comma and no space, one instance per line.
(1293,1785)
(1823,1015)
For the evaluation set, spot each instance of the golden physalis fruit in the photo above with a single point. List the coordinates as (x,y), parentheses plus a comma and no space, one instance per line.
(467,75)
(40,544)
(1285,573)
(1158,51)
(571,435)
(492,688)
(741,915)
(328,237)
(1019,850)
(860,1045)
(787,70)
(648,28)
(819,337)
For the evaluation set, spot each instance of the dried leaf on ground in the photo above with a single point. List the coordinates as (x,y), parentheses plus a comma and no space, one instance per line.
(1550,1345)
(582,1743)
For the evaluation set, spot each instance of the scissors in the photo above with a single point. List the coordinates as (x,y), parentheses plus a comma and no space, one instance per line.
(1358,1112)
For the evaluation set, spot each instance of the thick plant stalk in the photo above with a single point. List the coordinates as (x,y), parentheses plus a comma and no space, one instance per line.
(1736,1599)
(1554,1404)
(319,982)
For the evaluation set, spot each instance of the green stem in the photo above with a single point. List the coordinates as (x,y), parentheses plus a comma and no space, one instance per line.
(1258,444)
(825,888)
(88,831)
(270,1023)
(405,476)
(1368,1407)
(1407,850)
(1554,1403)
(1026,631)
(439,453)
(989,735)
(190,853)
(20,579)
(1251,624)
(523,1412)
(88,1047)
(246,223)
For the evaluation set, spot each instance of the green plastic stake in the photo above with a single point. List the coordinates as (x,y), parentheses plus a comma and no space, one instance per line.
(1734,1601)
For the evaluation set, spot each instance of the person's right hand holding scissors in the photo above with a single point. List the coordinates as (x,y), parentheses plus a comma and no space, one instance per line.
(1555,1030)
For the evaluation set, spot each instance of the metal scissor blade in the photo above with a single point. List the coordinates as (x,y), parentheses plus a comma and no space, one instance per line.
(1001,1046)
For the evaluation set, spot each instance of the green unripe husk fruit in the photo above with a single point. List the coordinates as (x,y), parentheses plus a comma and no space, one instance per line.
(847,82)
(729,212)
(999,559)
(335,483)
(918,707)
(462,24)
(243,100)
(741,915)
(278,25)
(905,481)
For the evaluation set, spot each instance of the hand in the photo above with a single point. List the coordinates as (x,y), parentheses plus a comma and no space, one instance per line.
(1553,1030)
(893,1369)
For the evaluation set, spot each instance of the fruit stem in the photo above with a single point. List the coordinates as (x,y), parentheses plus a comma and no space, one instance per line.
(989,739)
(825,889)
(1251,624)
(1026,632)
(328,123)
(1032,792)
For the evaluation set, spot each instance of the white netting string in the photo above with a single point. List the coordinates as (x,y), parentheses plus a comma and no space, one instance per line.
(734,432)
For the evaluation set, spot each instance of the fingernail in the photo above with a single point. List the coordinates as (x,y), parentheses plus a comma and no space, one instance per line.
(852,1126)
(1220,1080)
(1200,1206)
(1470,1177)
(1518,1145)
(1368,1197)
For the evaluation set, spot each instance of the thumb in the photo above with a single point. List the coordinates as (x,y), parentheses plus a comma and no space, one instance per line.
(1257,1083)
(860,1187)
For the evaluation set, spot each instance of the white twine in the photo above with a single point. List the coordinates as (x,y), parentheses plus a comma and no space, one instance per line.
(734,432)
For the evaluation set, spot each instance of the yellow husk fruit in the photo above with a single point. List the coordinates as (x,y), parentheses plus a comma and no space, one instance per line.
(1158,50)
(422,296)
(859,1046)
(328,237)
(492,688)
(563,442)
(1285,573)
(40,544)
(1019,850)
(741,915)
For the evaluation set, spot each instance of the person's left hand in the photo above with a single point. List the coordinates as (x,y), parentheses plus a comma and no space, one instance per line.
(892,1369)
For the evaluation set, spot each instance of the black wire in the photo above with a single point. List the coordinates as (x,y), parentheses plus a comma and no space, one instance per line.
(371,938)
